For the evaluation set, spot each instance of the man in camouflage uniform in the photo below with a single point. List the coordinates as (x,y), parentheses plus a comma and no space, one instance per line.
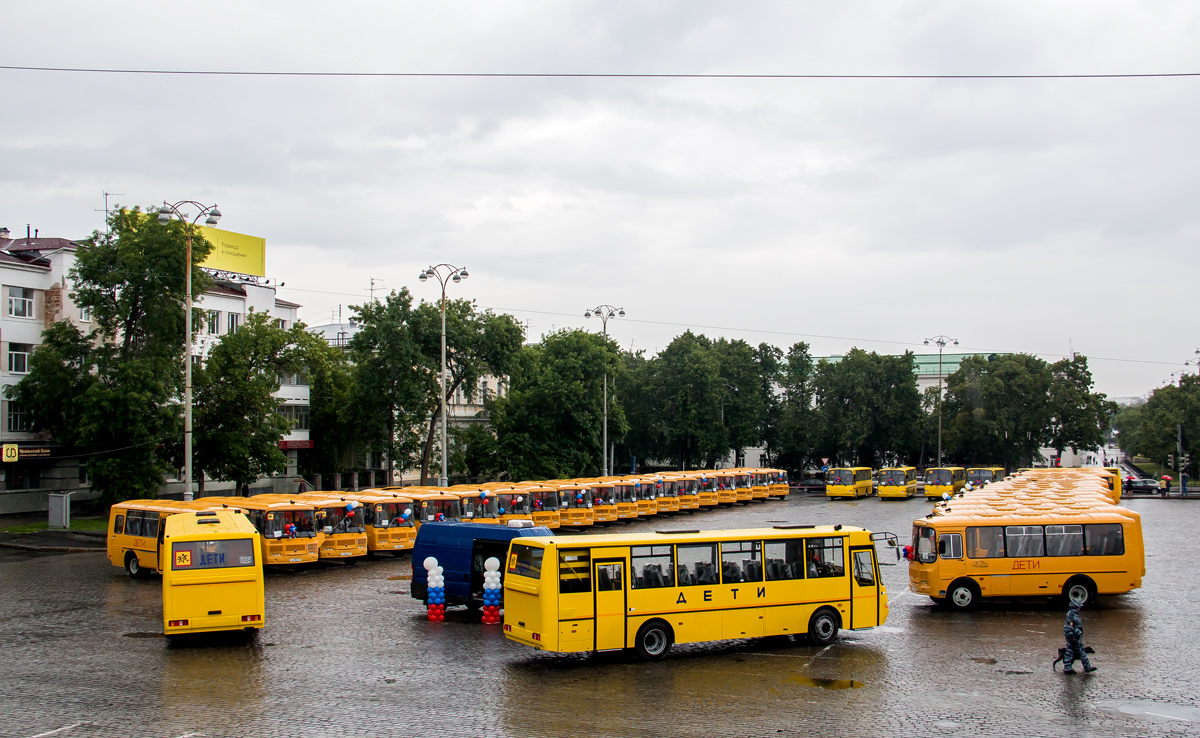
(1073,630)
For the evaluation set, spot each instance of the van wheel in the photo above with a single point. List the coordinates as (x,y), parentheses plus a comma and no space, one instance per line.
(823,627)
(1081,590)
(133,567)
(963,595)
(654,640)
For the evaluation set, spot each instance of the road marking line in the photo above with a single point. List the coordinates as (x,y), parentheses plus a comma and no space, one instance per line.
(58,730)
(814,658)
(1155,714)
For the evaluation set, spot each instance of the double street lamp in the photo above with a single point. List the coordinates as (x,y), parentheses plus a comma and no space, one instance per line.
(941,342)
(604,312)
(444,273)
(211,215)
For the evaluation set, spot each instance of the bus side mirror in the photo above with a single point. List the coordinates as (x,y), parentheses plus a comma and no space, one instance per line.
(941,548)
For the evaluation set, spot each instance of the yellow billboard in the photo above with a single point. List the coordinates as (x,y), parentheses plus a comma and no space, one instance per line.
(235,252)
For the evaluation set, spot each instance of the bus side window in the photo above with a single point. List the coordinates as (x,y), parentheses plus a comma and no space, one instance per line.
(1104,539)
(150,525)
(741,561)
(574,571)
(1064,540)
(608,578)
(652,567)
(133,523)
(985,543)
(825,558)
(950,546)
(864,569)
(697,564)
(119,525)
(785,560)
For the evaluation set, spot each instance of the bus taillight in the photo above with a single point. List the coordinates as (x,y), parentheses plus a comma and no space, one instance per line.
(507,628)
(537,636)
(251,618)
(178,623)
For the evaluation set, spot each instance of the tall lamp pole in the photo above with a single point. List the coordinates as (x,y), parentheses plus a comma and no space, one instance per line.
(604,312)
(211,215)
(443,273)
(941,342)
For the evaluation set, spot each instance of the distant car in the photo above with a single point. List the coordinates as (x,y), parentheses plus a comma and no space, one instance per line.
(815,484)
(1141,487)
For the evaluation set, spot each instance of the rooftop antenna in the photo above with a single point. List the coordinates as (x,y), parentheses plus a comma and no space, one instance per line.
(107,195)
(373,281)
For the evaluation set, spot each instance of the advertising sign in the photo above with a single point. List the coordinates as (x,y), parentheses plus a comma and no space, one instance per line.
(235,252)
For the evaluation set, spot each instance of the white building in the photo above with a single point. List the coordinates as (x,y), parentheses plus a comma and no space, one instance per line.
(35,285)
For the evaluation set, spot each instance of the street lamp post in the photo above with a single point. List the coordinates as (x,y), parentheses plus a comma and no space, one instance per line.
(604,312)
(211,215)
(941,342)
(443,273)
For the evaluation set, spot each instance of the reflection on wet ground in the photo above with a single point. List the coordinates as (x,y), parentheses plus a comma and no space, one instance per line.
(346,651)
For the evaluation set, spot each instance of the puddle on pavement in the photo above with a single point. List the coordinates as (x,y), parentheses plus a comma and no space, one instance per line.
(825,683)
(1149,708)
(1012,672)
(399,576)
(984,660)
(142,635)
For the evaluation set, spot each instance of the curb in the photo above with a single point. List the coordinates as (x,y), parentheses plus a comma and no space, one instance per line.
(50,549)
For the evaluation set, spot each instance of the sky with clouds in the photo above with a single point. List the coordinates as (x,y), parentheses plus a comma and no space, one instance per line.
(1032,215)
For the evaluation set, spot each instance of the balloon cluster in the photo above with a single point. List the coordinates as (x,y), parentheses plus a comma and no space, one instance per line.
(406,514)
(440,517)
(289,530)
(435,591)
(491,591)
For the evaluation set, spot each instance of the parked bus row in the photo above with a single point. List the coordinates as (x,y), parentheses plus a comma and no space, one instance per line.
(1039,533)
(306,527)
(902,481)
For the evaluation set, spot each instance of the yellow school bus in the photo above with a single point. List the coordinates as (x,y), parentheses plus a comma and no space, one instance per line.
(666,498)
(778,483)
(650,591)
(287,527)
(706,490)
(479,504)
(341,522)
(898,481)
(624,497)
(212,573)
(853,481)
(944,479)
(960,559)
(760,486)
(389,529)
(604,506)
(984,474)
(684,487)
(543,502)
(434,504)
(726,484)
(574,503)
(135,532)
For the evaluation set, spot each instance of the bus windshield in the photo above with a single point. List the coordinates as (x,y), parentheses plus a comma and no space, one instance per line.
(576,498)
(545,500)
(342,520)
(448,509)
(975,476)
(479,507)
(938,476)
(603,495)
(510,503)
(839,476)
(893,477)
(391,515)
(220,554)
(278,521)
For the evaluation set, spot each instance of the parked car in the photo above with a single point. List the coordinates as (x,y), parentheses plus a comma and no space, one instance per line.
(1139,486)
(813,484)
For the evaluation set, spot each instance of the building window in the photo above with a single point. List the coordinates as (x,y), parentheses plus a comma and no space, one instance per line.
(85,315)
(18,357)
(19,420)
(20,302)
(297,415)
(213,322)
(293,380)
(234,320)
(281,324)
(22,476)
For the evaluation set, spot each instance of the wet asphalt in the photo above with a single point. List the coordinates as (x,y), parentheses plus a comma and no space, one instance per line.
(347,652)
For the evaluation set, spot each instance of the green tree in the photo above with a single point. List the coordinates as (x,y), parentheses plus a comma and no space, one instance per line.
(331,388)
(868,409)
(1080,418)
(797,417)
(1170,410)
(689,389)
(634,386)
(237,421)
(743,407)
(477,344)
(997,410)
(770,376)
(548,425)
(390,379)
(115,392)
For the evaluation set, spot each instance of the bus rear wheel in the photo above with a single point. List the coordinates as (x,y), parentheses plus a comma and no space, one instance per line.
(1081,590)
(963,595)
(133,567)
(823,627)
(654,640)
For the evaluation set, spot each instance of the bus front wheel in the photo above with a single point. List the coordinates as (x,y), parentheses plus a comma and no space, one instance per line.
(963,595)
(654,640)
(823,627)
(132,566)
(1081,590)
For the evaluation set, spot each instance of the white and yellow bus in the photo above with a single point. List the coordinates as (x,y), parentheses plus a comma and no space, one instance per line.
(647,592)
(898,482)
(853,481)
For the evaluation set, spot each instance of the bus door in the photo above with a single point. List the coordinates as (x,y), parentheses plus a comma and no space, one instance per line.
(864,588)
(609,576)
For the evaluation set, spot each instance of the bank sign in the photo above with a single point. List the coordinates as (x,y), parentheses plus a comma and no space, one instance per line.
(235,252)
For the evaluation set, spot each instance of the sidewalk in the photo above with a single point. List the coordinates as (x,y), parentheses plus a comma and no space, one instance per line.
(54,541)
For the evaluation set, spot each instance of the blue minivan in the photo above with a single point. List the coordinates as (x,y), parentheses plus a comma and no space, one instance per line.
(461,549)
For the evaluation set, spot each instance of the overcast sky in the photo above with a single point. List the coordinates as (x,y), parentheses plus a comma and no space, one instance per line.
(1015,215)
